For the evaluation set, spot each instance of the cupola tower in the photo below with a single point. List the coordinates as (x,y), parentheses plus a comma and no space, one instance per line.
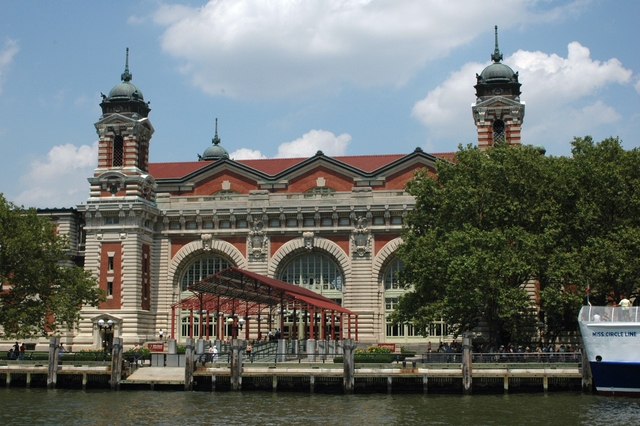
(498,111)
(124,132)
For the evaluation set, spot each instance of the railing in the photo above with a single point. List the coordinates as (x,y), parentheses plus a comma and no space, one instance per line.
(609,314)
(500,357)
(63,356)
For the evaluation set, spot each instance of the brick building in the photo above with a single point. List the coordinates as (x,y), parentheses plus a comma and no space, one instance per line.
(330,224)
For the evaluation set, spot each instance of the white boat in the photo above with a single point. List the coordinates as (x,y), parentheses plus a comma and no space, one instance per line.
(611,338)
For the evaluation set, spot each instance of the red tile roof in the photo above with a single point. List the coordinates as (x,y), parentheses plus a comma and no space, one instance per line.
(273,166)
(174,170)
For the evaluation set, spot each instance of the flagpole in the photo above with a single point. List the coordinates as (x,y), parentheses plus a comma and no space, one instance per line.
(588,291)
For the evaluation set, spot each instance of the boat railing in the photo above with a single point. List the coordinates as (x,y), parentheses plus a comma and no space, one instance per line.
(609,314)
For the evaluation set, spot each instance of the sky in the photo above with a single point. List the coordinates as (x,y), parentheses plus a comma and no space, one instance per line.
(286,78)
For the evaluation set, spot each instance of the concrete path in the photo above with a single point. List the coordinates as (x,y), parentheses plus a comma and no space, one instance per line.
(157,375)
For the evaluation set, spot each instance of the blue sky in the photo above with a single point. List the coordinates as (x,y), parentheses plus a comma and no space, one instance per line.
(288,77)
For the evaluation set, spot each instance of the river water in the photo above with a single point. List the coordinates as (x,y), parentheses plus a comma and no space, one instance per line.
(100,407)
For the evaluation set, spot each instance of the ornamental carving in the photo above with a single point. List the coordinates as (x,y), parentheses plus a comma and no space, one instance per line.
(308,240)
(206,241)
(361,238)
(257,240)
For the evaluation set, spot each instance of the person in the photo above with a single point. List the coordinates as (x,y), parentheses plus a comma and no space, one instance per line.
(11,354)
(625,304)
(161,335)
(136,354)
(215,353)
(22,351)
(596,318)
(248,350)
(60,353)
(278,333)
(210,356)
(16,349)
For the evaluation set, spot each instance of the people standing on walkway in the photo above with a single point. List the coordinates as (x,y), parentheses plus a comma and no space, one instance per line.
(60,353)
(161,335)
(136,354)
(210,353)
(248,350)
(22,351)
(215,353)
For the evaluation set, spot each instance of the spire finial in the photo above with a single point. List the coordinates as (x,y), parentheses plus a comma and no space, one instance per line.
(126,75)
(497,56)
(216,139)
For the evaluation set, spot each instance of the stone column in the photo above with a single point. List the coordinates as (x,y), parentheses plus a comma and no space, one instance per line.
(332,348)
(189,364)
(349,346)
(467,367)
(172,347)
(116,363)
(282,350)
(199,347)
(52,373)
(322,347)
(311,350)
(236,364)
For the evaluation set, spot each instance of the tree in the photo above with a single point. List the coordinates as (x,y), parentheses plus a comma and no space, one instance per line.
(41,291)
(607,226)
(494,220)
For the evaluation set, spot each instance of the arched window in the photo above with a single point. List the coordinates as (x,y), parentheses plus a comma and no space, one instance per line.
(498,131)
(319,191)
(202,268)
(391,280)
(317,272)
(393,290)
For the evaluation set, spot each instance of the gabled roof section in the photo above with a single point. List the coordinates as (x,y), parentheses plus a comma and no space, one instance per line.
(235,284)
(278,168)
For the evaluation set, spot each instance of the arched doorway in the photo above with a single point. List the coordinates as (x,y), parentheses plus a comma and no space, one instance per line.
(196,269)
(319,273)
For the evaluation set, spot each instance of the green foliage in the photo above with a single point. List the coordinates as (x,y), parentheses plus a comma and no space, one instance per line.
(373,350)
(181,349)
(42,291)
(142,352)
(494,220)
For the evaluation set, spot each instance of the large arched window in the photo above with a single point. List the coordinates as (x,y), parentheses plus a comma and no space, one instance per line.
(201,268)
(317,272)
(393,290)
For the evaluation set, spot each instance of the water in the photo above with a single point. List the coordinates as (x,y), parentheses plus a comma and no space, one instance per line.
(75,407)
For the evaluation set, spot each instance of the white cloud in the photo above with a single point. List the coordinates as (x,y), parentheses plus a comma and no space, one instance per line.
(306,146)
(314,141)
(61,179)
(559,93)
(6,58)
(256,48)
(246,154)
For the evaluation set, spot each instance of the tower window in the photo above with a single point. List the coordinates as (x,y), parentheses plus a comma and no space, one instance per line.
(498,131)
(118,151)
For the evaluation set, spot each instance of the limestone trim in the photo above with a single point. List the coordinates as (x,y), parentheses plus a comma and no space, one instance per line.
(383,255)
(301,245)
(196,248)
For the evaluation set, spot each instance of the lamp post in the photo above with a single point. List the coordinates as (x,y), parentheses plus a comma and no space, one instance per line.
(104,327)
(236,324)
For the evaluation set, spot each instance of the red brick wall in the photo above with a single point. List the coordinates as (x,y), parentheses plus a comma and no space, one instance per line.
(382,240)
(115,300)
